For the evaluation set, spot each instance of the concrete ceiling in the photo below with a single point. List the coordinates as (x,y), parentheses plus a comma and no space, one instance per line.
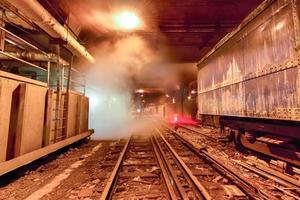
(186,29)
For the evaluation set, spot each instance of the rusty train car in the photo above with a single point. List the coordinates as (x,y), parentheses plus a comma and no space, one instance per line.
(249,83)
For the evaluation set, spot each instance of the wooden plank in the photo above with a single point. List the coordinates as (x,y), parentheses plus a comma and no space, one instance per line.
(60,131)
(25,159)
(19,120)
(7,88)
(48,120)
(72,112)
(78,116)
(84,114)
(29,133)
(75,92)
(138,174)
(21,78)
(53,117)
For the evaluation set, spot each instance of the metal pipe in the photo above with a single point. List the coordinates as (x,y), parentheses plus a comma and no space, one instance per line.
(32,56)
(48,72)
(40,16)
(59,70)
(14,36)
(10,16)
(21,60)
(69,76)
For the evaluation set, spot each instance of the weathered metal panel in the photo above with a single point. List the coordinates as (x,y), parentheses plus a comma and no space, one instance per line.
(254,73)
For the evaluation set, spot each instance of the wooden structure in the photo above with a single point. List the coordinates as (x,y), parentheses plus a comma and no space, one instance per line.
(31,117)
(39,113)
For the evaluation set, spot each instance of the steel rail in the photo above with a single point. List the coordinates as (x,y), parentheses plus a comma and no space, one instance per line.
(164,171)
(107,191)
(268,173)
(176,181)
(194,179)
(249,189)
(111,182)
(289,182)
(195,131)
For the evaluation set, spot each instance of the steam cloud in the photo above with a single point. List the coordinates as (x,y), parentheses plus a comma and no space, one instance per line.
(110,85)
(120,64)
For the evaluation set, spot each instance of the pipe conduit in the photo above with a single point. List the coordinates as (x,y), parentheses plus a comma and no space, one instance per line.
(41,17)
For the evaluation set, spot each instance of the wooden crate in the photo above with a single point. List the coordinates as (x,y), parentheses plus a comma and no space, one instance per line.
(84,110)
(30,120)
(72,114)
(7,90)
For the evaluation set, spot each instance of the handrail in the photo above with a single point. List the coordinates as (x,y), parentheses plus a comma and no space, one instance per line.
(21,60)
(76,82)
(22,40)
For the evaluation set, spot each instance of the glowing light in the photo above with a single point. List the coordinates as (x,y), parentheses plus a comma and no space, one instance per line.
(127,20)
(189,97)
(138,110)
(114,99)
(173,100)
(279,26)
(140,91)
(193,92)
(167,96)
(175,118)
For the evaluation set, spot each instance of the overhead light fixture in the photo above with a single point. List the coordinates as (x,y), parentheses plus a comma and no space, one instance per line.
(173,100)
(279,26)
(140,91)
(127,20)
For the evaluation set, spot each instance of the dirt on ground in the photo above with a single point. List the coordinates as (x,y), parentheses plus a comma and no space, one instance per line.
(23,182)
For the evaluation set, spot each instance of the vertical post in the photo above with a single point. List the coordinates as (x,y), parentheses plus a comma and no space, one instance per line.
(84,84)
(58,70)
(58,95)
(62,78)
(181,99)
(2,35)
(69,74)
(48,71)
(66,101)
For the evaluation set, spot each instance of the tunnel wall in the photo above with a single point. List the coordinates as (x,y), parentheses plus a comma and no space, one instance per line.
(254,71)
(33,116)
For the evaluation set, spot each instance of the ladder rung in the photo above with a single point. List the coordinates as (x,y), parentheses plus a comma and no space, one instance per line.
(59,128)
(59,119)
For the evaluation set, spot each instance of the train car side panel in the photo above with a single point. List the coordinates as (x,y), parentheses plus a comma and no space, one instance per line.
(255,73)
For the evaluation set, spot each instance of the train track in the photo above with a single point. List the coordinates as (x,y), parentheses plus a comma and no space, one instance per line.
(165,166)
(138,173)
(148,168)
(282,183)
(209,171)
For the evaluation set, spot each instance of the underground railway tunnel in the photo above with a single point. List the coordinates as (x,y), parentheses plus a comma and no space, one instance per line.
(194,99)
